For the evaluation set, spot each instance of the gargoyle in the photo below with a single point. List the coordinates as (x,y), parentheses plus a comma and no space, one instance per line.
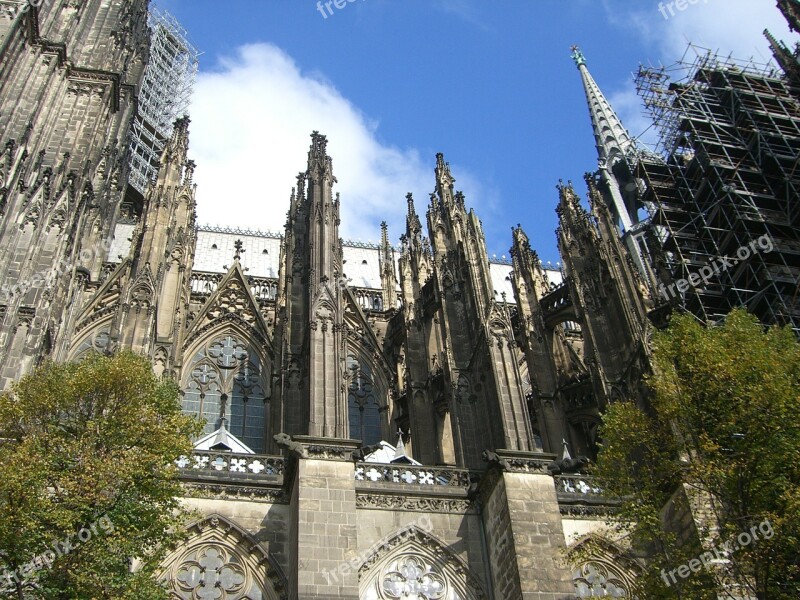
(285,441)
(495,459)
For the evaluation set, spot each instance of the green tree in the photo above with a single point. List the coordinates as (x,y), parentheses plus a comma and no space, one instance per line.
(722,432)
(87,479)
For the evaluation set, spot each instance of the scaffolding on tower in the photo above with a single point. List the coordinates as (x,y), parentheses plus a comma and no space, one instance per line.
(726,173)
(164,96)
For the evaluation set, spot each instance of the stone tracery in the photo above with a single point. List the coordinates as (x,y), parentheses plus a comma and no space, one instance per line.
(224,381)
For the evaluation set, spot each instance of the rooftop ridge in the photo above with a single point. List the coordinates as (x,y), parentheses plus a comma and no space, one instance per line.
(495,260)
(239,231)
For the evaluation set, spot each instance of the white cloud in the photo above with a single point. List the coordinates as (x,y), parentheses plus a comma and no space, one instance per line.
(726,26)
(251,121)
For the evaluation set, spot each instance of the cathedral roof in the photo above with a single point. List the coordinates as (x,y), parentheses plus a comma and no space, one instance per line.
(222,440)
(261,257)
(387,454)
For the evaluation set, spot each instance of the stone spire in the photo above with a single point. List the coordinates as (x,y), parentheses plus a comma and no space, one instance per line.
(785,56)
(791,10)
(388,272)
(308,332)
(614,143)
(612,139)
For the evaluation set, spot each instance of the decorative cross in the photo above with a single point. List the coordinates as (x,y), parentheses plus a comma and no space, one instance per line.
(239,249)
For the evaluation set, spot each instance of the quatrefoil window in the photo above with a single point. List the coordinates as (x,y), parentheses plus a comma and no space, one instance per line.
(594,580)
(211,575)
(412,579)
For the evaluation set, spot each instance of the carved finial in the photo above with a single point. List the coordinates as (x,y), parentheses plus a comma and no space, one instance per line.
(188,173)
(578,56)
(410,201)
(239,250)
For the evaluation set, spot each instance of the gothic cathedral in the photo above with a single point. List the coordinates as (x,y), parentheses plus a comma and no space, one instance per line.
(384,421)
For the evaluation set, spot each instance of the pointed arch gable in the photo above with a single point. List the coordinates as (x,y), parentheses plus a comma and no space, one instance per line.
(220,554)
(96,338)
(232,301)
(107,298)
(57,214)
(356,320)
(600,567)
(414,556)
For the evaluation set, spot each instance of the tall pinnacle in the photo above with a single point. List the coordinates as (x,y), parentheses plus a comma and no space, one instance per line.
(791,10)
(613,140)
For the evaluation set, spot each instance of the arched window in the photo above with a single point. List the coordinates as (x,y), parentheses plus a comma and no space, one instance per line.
(248,407)
(220,560)
(362,404)
(412,562)
(224,380)
(97,341)
(594,579)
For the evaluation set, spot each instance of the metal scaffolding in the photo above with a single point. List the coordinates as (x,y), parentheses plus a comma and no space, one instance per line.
(164,96)
(725,176)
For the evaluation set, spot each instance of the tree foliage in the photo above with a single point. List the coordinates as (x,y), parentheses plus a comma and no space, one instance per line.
(87,479)
(720,435)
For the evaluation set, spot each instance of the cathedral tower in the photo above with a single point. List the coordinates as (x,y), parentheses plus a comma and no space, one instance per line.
(312,391)
(68,77)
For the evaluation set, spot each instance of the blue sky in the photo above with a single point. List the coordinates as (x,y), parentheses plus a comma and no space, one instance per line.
(393,82)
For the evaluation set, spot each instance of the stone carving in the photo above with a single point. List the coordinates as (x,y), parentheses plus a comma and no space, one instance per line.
(595,579)
(360,454)
(568,465)
(413,565)
(296,448)
(413,475)
(456,506)
(222,562)
(271,495)
(267,467)
(211,574)
(412,578)
(495,459)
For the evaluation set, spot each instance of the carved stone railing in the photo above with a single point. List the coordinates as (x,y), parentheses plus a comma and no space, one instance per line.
(556,300)
(413,488)
(202,285)
(577,485)
(579,495)
(368,299)
(367,474)
(231,467)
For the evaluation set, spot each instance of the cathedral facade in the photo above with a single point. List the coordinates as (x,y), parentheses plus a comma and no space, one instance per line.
(382,421)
